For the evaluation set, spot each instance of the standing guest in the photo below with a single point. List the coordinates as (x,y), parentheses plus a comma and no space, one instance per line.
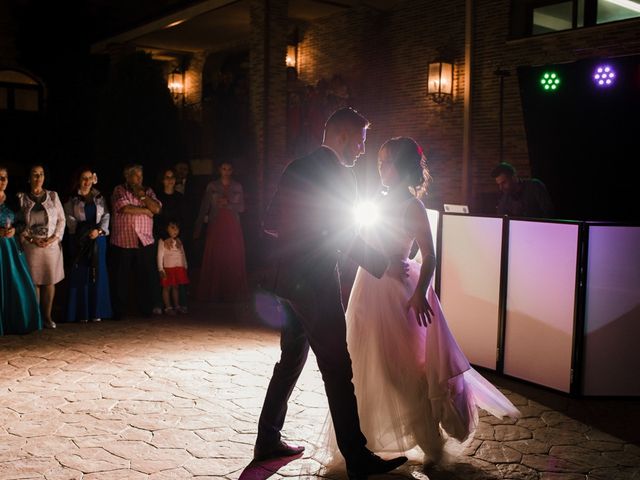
(42,219)
(88,223)
(191,193)
(19,312)
(173,206)
(521,197)
(173,210)
(223,276)
(182,172)
(172,266)
(134,206)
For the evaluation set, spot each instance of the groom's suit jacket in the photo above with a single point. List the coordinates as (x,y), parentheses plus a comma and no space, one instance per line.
(312,214)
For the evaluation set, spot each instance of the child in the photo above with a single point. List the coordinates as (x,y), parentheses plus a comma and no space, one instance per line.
(172,265)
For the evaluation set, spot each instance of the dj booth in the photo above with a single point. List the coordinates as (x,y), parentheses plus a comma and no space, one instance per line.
(554,303)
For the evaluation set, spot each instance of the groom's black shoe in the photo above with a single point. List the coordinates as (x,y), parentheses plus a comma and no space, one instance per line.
(277,450)
(372,464)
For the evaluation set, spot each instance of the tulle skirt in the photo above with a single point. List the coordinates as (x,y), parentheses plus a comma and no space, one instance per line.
(413,384)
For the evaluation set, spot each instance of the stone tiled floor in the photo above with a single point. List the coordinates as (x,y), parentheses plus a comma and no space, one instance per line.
(173,398)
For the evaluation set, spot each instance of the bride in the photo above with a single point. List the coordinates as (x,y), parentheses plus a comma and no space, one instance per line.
(414,385)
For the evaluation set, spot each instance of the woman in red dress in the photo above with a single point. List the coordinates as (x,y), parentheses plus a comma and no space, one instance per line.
(223,276)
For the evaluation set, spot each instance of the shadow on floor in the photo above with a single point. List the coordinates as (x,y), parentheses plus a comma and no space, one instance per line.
(263,470)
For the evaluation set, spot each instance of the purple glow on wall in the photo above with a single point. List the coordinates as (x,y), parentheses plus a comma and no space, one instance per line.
(604,76)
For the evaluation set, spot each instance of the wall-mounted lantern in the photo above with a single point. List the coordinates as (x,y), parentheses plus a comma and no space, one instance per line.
(291,60)
(176,82)
(440,82)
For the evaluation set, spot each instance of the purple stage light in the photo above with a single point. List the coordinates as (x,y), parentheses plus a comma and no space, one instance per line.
(604,76)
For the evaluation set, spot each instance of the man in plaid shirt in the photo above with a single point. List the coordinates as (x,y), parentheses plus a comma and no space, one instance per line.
(133,245)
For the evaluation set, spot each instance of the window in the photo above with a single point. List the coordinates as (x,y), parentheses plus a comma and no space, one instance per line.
(537,17)
(557,17)
(614,10)
(19,92)
(4,98)
(26,99)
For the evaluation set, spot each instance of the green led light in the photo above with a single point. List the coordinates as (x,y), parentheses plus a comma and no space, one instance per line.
(550,81)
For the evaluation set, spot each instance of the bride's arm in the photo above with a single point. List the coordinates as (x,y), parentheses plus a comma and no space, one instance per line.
(417,224)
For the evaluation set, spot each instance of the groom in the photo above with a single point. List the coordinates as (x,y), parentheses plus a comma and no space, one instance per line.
(312,215)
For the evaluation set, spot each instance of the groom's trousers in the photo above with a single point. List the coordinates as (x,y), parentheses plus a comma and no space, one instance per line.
(315,318)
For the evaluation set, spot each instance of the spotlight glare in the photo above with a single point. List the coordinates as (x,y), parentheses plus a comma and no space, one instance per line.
(366,214)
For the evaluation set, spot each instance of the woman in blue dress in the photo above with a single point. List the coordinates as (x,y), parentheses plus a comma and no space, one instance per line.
(19,311)
(87,218)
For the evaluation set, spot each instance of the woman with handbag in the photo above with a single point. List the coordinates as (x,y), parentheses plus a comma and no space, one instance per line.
(87,217)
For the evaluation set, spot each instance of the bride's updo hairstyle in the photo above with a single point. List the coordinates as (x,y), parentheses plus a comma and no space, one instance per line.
(410,163)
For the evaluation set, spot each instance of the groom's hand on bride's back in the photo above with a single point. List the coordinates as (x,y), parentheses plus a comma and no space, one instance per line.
(398,268)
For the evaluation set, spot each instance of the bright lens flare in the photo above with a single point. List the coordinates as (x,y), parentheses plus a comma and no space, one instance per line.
(366,214)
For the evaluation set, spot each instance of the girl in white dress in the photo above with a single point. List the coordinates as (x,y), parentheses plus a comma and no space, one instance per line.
(414,385)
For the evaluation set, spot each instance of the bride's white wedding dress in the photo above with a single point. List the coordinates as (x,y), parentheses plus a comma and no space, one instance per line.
(409,380)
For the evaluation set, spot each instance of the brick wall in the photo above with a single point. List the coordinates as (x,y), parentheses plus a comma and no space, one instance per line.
(193,84)
(268,93)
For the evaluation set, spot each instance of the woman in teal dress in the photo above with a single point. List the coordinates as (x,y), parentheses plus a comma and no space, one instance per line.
(19,312)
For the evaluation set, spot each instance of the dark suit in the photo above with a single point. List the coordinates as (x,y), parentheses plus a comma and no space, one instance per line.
(312,213)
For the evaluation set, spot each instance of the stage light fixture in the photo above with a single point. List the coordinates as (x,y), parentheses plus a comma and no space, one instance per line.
(550,81)
(604,76)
